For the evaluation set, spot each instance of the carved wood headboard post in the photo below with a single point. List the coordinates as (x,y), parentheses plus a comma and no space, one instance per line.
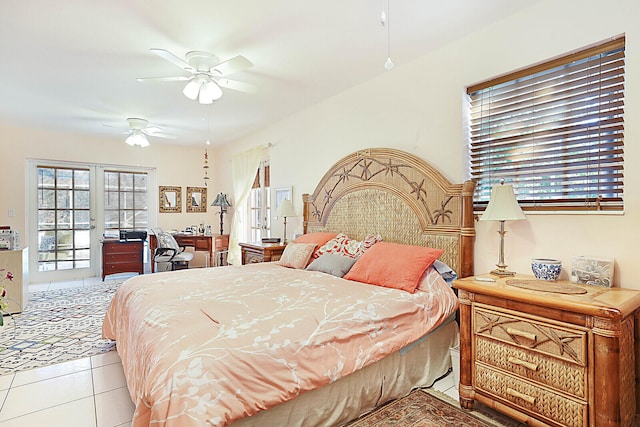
(468,231)
(399,196)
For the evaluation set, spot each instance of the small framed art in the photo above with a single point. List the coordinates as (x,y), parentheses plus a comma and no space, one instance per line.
(170,199)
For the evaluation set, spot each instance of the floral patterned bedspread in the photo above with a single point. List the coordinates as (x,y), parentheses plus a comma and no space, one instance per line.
(205,347)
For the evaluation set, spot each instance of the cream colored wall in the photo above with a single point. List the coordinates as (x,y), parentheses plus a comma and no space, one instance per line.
(418,107)
(175,166)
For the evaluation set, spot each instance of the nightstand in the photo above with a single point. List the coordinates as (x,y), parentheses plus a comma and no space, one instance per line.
(261,252)
(550,358)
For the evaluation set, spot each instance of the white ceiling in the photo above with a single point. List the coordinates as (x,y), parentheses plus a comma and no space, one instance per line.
(72,65)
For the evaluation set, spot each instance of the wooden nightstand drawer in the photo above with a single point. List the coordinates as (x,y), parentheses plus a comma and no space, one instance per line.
(568,343)
(534,366)
(261,252)
(252,258)
(543,402)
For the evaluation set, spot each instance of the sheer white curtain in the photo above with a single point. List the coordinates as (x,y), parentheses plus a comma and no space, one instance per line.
(243,172)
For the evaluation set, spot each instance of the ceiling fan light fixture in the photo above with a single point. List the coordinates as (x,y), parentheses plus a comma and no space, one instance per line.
(137,138)
(191,89)
(209,92)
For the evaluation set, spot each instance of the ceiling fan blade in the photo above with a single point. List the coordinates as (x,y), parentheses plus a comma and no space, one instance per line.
(156,132)
(124,132)
(161,135)
(165,54)
(165,79)
(151,130)
(233,65)
(236,85)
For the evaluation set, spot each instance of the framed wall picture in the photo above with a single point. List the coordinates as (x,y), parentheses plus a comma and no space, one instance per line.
(280,194)
(196,199)
(170,199)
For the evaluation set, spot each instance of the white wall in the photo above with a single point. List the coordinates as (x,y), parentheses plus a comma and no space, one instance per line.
(418,107)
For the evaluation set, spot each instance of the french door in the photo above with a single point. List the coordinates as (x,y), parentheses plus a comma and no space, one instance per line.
(71,206)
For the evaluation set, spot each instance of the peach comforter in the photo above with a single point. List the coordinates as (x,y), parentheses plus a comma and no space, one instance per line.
(210,346)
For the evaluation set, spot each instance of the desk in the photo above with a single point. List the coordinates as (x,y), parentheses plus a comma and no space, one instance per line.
(199,242)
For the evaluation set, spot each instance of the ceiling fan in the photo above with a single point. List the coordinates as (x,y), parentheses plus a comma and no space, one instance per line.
(138,131)
(206,80)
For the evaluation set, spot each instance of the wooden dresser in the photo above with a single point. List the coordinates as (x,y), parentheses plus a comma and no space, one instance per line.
(122,257)
(550,358)
(261,252)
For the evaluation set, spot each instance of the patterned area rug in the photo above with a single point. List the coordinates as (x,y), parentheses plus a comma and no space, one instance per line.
(56,326)
(422,409)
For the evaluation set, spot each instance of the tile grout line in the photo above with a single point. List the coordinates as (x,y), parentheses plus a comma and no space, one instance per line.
(8,390)
(93,389)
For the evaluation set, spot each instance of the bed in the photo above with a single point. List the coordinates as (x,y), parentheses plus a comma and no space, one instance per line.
(267,344)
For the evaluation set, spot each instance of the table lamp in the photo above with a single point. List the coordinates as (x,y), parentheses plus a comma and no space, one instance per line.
(502,207)
(223,202)
(284,210)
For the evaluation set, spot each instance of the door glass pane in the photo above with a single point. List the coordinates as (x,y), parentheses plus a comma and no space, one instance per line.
(63,199)
(81,199)
(81,179)
(81,220)
(47,198)
(64,178)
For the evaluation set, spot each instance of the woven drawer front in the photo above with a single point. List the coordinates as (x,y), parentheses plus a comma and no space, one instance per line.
(557,373)
(565,343)
(540,401)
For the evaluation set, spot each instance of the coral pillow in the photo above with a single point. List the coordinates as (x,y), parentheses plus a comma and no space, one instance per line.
(296,255)
(393,265)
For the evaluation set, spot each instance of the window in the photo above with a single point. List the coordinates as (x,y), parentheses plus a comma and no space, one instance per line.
(555,131)
(125,201)
(260,205)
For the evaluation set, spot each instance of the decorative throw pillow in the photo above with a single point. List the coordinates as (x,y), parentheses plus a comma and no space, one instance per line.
(341,244)
(366,244)
(393,265)
(335,264)
(319,238)
(296,255)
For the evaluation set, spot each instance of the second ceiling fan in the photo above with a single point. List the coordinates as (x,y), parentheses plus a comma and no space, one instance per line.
(207,74)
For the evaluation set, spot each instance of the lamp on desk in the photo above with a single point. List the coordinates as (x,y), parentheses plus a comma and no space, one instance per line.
(223,202)
(502,207)
(284,210)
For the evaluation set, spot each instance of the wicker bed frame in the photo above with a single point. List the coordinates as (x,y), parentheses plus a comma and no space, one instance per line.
(399,196)
(405,200)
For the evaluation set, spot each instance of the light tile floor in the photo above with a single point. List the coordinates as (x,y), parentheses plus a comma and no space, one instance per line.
(88,392)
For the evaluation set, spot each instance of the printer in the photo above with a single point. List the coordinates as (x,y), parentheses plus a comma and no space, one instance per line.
(133,235)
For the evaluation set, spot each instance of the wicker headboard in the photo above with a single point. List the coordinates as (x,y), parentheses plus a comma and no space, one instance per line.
(399,196)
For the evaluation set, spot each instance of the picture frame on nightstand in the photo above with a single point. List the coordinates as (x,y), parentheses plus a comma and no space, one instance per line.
(280,194)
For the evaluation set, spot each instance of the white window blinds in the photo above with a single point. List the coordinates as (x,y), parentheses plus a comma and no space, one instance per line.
(554,131)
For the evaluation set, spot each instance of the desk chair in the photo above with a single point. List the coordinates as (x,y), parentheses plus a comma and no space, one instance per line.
(169,251)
